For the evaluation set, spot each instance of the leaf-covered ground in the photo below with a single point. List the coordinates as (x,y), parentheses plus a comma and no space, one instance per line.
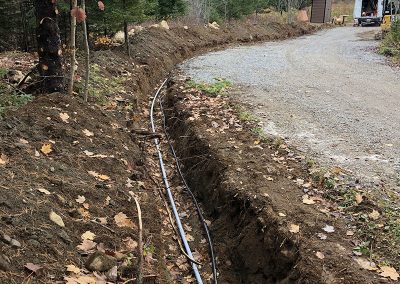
(69,169)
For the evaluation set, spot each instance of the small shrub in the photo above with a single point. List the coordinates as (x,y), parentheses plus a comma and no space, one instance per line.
(390,45)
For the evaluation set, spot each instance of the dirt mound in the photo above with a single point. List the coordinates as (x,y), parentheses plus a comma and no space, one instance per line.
(156,51)
(269,219)
(67,167)
(63,156)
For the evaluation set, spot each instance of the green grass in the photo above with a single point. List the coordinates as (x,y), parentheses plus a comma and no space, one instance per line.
(3,72)
(215,89)
(12,100)
(101,87)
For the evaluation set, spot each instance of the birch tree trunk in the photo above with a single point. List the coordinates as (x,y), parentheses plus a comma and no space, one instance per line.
(73,51)
(87,54)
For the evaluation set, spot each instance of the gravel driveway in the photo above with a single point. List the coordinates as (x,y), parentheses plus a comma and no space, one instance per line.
(329,94)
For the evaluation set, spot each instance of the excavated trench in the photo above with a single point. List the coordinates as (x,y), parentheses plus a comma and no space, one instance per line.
(250,245)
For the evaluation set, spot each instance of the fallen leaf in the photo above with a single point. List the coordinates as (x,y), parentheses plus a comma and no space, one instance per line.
(123,221)
(374,215)
(107,202)
(293,228)
(86,206)
(88,153)
(349,233)
(33,267)
(88,133)
(43,190)
(88,235)
(189,238)
(81,199)
(390,272)
(365,264)
(130,244)
(82,279)
(72,268)
(46,148)
(3,159)
(328,229)
(300,181)
(99,176)
(64,117)
(102,220)
(320,255)
(359,198)
(37,154)
(86,245)
(281,214)
(23,141)
(307,200)
(84,213)
(56,219)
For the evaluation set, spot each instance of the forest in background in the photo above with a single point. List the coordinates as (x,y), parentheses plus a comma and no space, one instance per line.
(18,21)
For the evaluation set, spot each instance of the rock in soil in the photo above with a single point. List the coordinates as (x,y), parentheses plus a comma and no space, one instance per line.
(100,262)
(4,263)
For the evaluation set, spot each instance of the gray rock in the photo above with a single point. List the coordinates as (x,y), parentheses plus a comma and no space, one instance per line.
(4,263)
(6,238)
(64,236)
(100,262)
(14,243)
(34,243)
(112,274)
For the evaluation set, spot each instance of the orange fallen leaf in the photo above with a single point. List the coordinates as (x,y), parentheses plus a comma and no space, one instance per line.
(72,268)
(3,159)
(359,198)
(64,117)
(123,221)
(374,215)
(81,199)
(86,245)
(88,235)
(46,148)
(390,272)
(293,228)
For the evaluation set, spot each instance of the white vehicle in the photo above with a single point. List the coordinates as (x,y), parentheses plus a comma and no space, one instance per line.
(368,12)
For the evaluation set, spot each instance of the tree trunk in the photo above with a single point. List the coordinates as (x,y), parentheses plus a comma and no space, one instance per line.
(87,60)
(126,35)
(73,52)
(128,50)
(49,46)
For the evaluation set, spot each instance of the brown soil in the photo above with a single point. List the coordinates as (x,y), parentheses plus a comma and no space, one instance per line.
(250,187)
(64,171)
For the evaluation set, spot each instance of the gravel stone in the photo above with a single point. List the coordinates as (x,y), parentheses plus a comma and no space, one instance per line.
(330,94)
